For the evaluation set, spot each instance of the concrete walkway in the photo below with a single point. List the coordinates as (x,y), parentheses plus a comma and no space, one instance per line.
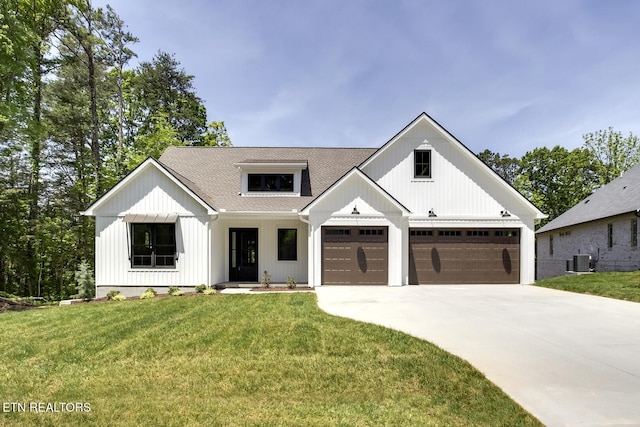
(569,359)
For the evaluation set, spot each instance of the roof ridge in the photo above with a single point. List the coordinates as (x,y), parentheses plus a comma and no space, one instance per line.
(272,148)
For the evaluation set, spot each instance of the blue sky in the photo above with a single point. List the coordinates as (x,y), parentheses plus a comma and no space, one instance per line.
(505,75)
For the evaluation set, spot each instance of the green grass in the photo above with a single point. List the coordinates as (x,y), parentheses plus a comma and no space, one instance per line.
(624,286)
(249,360)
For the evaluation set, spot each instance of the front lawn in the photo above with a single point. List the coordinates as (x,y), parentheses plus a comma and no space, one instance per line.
(624,286)
(250,360)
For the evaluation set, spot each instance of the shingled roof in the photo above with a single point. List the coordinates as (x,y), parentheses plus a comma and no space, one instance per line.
(620,196)
(210,173)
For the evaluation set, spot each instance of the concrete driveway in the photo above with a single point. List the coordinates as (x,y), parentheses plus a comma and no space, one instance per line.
(569,359)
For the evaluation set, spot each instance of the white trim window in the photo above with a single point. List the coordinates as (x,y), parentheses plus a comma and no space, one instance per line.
(270,182)
(422,163)
(287,244)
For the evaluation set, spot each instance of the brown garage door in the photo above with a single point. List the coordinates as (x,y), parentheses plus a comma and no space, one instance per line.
(450,256)
(354,256)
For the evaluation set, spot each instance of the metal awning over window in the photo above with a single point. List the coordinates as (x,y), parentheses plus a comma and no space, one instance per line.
(150,218)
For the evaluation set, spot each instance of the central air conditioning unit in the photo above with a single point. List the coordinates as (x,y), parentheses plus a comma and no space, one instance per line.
(569,265)
(581,263)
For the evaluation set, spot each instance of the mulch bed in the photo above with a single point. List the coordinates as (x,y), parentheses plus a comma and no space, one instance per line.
(282,289)
(7,304)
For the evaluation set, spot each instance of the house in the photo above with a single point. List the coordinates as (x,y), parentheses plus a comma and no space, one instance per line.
(420,209)
(603,227)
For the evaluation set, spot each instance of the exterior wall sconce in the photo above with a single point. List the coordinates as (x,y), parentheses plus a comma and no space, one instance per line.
(505,213)
(432,214)
(355,211)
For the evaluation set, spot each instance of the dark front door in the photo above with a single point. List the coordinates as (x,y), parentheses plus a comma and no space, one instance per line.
(243,254)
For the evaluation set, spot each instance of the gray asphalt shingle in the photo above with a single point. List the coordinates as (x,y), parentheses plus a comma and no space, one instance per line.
(620,196)
(210,173)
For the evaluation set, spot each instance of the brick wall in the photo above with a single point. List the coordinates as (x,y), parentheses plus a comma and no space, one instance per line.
(619,254)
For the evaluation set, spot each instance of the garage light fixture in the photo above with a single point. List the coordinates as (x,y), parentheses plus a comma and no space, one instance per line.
(505,213)
(432,214)
(355,211)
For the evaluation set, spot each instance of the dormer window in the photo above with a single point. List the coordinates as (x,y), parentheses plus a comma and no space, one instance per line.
(267,182)
(269,178)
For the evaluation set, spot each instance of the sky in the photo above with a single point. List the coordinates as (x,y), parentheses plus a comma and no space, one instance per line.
(508,76)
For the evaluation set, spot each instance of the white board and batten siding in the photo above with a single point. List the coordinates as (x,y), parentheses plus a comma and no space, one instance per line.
(150,192)
(267,247)
(462,192)
(375,210)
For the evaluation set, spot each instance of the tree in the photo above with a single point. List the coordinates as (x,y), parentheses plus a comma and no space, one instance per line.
(613,153)
(73,121)
(161,135)
(117,41)
(83,25)
(25,40)
(555,180)
(85,282)
(161,87)
(503,165)
(70,157)
(216,135)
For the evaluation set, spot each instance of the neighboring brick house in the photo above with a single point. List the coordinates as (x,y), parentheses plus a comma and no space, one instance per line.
(604,226)
(420,209)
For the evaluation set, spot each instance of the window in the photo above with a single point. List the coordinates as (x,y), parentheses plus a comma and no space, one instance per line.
(551,245)
(477,233)
(421,233)
(337,232)
(634,233)
(449,233)
(287,244)
(422,163)
(153,245)
(271,182)
(369,232)
(610,236)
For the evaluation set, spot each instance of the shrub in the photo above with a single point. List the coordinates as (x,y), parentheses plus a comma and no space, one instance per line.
(265,281)
(175,291)
(200,288)
(85,284)
(118,297)
(149,293)
(209,291)
(112,294)
(291,282)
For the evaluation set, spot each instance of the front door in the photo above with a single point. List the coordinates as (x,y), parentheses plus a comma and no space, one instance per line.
(243,254)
